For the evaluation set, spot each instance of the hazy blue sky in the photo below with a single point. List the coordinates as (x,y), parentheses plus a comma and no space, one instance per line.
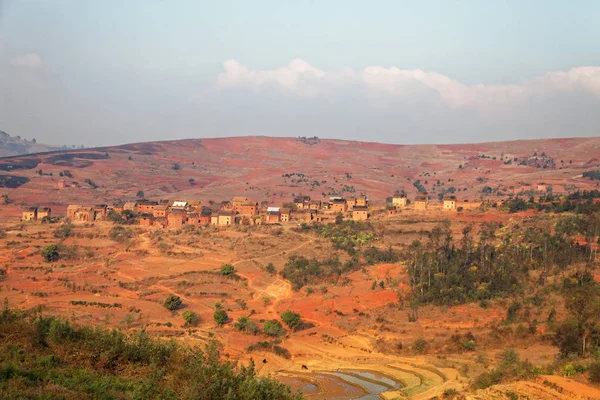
(108,72)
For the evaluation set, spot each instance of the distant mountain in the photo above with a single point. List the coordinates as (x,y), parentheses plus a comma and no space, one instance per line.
(277,169)
(15,146)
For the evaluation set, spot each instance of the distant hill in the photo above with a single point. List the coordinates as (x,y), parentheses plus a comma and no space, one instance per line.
(15,146)
(276,169)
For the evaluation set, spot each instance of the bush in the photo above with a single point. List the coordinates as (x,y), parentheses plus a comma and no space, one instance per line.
(273,328)
(120,234)
(190,318)
(594,370)
(245,324)
(420,345)
(220,317)
(63,231)
(172,302)
(291,319)
(227,269)
(50,252)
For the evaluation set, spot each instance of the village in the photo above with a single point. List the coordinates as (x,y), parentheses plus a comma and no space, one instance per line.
(241,210)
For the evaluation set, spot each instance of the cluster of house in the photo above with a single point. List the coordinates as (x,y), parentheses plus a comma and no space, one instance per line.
(421,202)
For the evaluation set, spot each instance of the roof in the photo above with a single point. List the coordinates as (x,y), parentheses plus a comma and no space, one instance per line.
(360,208)
(100,206)
(273,209)
(73,207)
(146,216)
(30,209)
(206,212)
(239,199)
(332,198)
(251,203)
(85,209)
(148,203)
(192,215)
(177,211)
(315,202)
(338,201)
(421,197)
(179,204)
(161,207)
(44,209)
(284,210)
(450,198)
(225,214)
(399,196)
(130,204)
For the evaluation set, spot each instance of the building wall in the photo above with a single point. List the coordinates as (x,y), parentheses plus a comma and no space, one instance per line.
(29,215)
(420,205)
(224,220)
(399,201)
(449,204)
(360,215)
(339,207)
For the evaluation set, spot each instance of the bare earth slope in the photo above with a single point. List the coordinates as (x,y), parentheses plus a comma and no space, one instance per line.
(273,169)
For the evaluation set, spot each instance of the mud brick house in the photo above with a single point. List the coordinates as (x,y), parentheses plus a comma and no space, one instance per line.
(542,187)
(84,214)
(117,207)
(285,214)
(192,218)
(360,213)
(146,207)
(256,220)
(302,202)
(237,203)
(338,204)
(421,201)
(249,208)
(30,214)
(362,201)
(312,215)
(176,218)
(350,202)
(273,215)
(315,205)
(214,219)
(226,206)
(449,203)
(160,211)
(399,201)
(146,219)
(205,216)
(61,184)
(225,218)
(100,211)
(72,210)
(43,212)
(130,206)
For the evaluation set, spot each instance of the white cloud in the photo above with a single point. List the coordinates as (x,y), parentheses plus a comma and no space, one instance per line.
(29,60)
(301,78)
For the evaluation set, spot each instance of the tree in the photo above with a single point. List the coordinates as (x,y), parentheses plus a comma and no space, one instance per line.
(273,328)
(140,194)
(227,269)
(191,181)
(245,324)
(190,318)
(50,252)
(220,317)
(173,302)
(291,319)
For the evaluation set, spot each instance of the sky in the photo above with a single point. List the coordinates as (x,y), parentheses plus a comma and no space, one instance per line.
(112,72)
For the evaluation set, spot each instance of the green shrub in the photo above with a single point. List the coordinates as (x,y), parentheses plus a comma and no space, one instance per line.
(594,371)
(420,345)
(291,319)
(273,328)
(220,317)
(190,318)
(173,302)
(227,269)
(50,253)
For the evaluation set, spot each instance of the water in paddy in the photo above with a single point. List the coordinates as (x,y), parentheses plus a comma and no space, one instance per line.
(343,384)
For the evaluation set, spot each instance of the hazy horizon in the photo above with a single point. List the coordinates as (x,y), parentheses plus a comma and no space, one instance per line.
(426,73)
